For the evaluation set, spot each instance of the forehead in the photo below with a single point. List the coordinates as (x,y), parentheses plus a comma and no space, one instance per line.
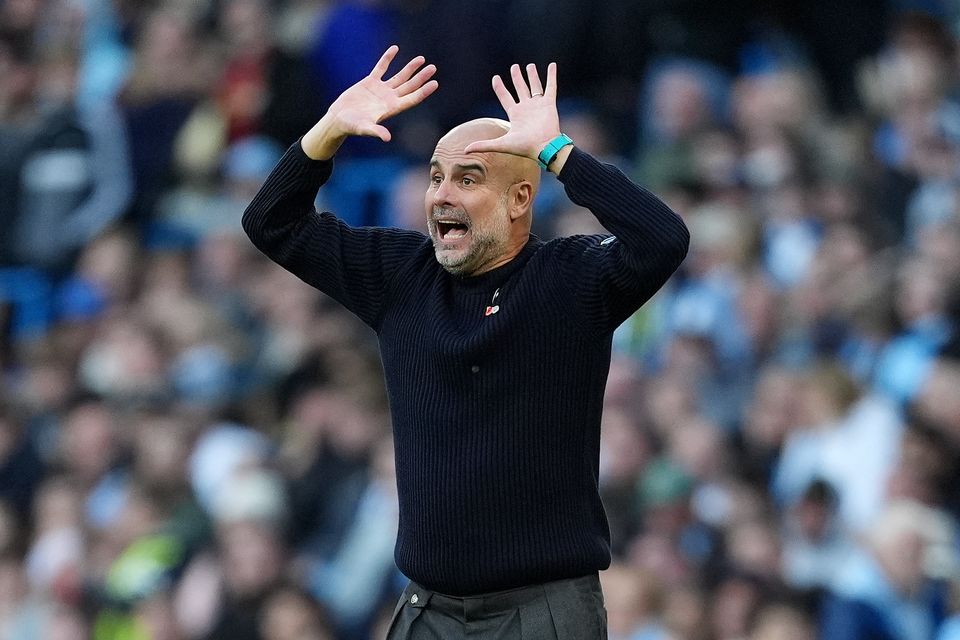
(449,155)
(451,148)
(446,158)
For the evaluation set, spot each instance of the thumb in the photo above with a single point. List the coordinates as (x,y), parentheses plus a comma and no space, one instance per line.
(377,131)
(483,146)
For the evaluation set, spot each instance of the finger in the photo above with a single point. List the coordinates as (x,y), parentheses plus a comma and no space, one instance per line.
(551,89)
(418,96)
(384,62)
(484,146)
(404,74)
(376,131)
(519,85)
(503,94)
(534,79)
(417,81)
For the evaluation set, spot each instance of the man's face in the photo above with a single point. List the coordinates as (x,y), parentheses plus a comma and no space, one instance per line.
(466,208)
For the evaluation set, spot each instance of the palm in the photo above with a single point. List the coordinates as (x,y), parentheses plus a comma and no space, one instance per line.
(527,131)
(364,104)
(360,109)
(533,115)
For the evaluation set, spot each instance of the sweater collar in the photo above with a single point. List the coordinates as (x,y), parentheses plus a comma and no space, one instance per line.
(500,274)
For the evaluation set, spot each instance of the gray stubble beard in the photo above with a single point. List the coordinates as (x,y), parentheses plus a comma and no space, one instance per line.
(479,243)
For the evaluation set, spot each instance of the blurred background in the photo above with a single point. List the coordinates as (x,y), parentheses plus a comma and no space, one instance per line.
(196,445)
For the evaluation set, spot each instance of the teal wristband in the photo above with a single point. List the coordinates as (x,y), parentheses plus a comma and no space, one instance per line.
(552,149)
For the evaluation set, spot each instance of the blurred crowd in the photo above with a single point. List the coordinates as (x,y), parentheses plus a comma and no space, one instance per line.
(196,445)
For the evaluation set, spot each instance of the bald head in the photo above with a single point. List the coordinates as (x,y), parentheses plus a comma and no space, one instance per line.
(517,168)
(479,129)
(473,130)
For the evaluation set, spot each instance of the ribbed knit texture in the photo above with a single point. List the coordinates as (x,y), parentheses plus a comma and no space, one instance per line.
(496,417)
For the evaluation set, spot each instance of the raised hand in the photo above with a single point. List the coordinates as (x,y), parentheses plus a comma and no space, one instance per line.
(360,109)
(533,115)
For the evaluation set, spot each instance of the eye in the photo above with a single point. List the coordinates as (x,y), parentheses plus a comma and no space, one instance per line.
(436,179)
(468,181)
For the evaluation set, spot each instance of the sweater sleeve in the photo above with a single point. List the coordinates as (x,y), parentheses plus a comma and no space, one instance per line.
(353,265)
(612,277)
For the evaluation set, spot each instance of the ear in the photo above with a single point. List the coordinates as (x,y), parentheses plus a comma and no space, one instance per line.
(521,199)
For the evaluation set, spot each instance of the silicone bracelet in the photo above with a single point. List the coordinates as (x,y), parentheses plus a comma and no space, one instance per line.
(552,149)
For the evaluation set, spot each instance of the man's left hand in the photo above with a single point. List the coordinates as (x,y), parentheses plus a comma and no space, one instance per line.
(533,116)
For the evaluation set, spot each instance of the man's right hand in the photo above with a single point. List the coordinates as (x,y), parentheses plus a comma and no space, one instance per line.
(360,109)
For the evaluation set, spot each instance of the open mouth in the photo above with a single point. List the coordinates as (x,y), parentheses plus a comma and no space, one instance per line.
(450,230)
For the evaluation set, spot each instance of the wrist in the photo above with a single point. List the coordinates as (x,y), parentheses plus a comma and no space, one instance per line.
(554,153)
(548,154)
(322,140)
(556,166)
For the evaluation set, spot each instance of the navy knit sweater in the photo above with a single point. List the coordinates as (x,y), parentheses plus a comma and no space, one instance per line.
(496,417)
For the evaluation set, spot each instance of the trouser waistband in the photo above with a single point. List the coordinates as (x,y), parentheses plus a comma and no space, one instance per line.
(491,603)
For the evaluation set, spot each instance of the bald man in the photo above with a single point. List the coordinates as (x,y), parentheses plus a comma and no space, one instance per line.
(495,348)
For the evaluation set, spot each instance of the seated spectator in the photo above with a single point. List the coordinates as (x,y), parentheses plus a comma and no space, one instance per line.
(921,305)
(781,622)
(839,418)
(814,541)
(888,589)
(263,90)
(66,177)
(289,613)
(633,600)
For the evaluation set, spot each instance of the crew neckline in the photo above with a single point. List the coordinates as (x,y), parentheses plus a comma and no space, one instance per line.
(504,271)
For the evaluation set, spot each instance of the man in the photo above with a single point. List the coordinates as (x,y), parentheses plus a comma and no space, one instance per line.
(495,348)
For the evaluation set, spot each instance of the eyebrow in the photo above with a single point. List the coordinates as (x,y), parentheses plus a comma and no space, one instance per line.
(463,168)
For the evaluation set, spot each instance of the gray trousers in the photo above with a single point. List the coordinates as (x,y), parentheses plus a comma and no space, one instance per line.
(562,610)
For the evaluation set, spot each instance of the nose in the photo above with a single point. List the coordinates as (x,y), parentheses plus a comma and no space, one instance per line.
(443,194)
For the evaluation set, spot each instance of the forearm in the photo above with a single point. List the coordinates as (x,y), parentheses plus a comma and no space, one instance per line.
(351,265)
(647,228)
(611,278)
(286,197)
